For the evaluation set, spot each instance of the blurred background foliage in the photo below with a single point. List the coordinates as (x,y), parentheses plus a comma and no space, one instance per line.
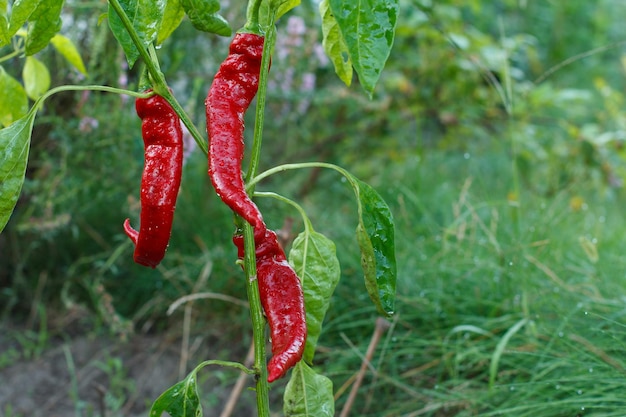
(495,134)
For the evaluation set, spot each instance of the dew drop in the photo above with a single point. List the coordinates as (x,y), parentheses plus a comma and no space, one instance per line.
(579,392)
(466,155)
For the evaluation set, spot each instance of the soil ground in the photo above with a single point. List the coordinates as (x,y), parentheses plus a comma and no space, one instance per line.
(81,373)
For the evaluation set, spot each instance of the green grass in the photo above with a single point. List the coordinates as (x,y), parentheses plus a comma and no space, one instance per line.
(504,307)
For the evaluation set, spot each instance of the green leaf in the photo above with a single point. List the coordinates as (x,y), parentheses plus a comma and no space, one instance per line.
(204,17)
(368,28)
(308,394)
(5,39)
(44,23)
(172,16)
(283,6)
(375,235)
(20,12)
(180,400)
(67,48)
(145,16)
(36,78)
(13,99)
(14,146)
(335,45)
(315,261)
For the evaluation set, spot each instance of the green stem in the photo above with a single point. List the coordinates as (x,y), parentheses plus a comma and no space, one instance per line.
(160,85)
(154,71)
(259,119)
(222,363)
(256,309)
(258,322)
(104,88)
(186,120)
(305,219)
(288,167)
(11,55)
(252,17)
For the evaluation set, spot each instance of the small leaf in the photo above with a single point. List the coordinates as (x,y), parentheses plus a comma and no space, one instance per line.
(375,235)
(14,147)
(5,39)
(180,400)
(308,394)
(315,261)
(283,6)
(13,99)
(67,48)
(368,28)
(204,17)
(36,78)
(335,45)
(172,16)
(43,24)
(145,17)
(20,12)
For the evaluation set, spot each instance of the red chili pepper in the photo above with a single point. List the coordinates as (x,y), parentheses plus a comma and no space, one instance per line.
(282,299)
(163,140)
(233,89)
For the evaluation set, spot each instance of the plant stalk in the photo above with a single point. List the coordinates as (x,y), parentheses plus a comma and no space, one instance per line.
(256,309)
(158,78)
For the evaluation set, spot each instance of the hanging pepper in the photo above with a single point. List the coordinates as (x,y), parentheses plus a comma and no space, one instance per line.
(282,299)
(163,142)
(233,89)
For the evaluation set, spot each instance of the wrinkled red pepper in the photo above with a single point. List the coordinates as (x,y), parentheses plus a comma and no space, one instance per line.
(233,89)
(282,299)
(163,141)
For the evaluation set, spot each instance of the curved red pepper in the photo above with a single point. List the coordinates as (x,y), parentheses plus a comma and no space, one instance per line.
(163,140)
(233,89)
(282,299)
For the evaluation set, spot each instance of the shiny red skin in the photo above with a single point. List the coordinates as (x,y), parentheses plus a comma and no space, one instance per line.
(282,299)
(163,140)
(233,89)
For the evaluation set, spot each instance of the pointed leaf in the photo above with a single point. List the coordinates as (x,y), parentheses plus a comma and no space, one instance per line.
(14,146)
(67,48)
(368,28)
(335,45)
(36,78)
(315,260)
(204,17)
(145,16)
(43,24)
(13,99)
(375,235)
(180,400)
(172,16)
(20,12)
(5,39)
(284,6)
(308,394)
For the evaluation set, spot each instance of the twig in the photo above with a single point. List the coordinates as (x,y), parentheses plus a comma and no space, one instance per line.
(381,326)
(201,295)
(184,349)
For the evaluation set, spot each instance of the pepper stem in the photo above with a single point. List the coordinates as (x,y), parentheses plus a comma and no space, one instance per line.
(268,47)
(258,322)
(158,79)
